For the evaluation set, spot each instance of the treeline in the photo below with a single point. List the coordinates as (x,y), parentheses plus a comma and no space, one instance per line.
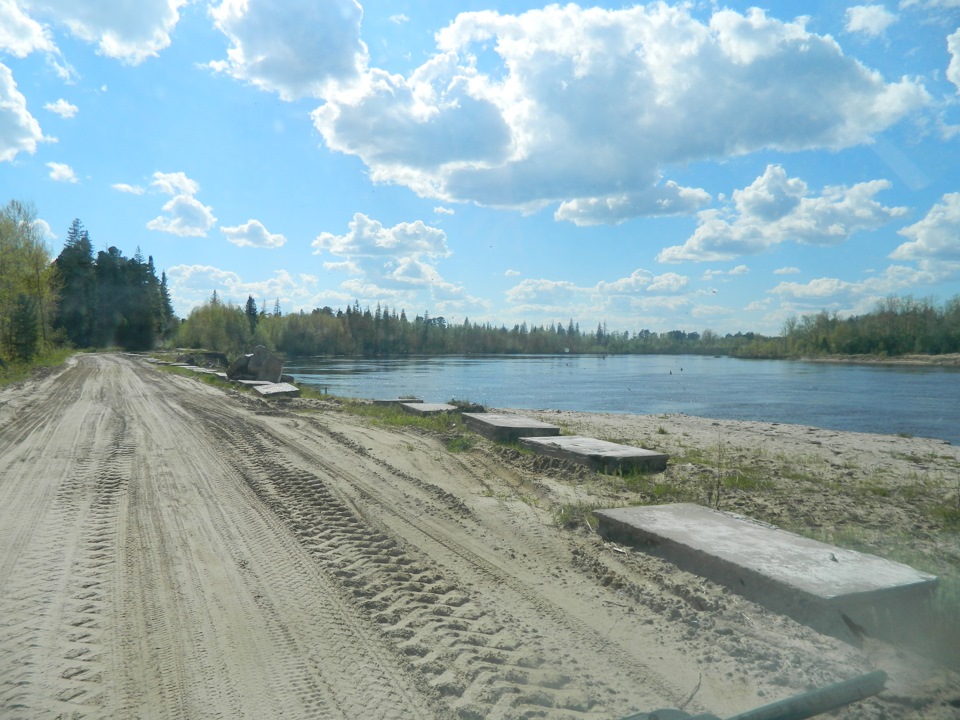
(78,299)
(216,325)
(898,326)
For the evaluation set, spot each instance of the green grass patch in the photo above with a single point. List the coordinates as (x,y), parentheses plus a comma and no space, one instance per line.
(11,372)
(575,515)
(393,416)
(461,443)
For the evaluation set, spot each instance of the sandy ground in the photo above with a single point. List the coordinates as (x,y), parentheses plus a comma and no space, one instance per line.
(171,550)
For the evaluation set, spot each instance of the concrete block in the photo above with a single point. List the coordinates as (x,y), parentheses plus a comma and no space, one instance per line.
(508,428)
(598,454)
(397,401)
(422,408)
(840,592)
(277,390)
(253,383)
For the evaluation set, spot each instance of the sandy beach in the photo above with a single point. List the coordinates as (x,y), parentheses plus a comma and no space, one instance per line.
(172,549)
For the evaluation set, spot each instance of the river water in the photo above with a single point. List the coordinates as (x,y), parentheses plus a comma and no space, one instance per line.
(916,400)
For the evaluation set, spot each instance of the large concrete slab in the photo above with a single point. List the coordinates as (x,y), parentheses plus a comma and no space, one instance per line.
(840,592)
(598,454)
(277,390)
(422,408)
(508,428)
(397,401)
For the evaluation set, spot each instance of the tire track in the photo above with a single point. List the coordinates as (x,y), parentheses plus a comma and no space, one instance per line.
(471,658)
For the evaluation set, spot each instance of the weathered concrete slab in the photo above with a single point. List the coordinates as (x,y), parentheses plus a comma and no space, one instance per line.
(397,401)
(277,390)
(840,592)
(423,408)
(253,383)
(598,454)
(508,428)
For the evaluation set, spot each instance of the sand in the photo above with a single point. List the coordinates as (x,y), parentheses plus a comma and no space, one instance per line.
(169,549)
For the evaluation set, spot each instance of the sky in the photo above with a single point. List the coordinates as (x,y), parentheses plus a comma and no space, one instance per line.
(664,166)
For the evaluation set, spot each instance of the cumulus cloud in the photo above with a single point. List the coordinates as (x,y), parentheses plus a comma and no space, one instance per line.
(174,183)
(43,227)
(127,30)
(667,199)
(185,216)
(775,209)
(191,285)
(587,107)
(953,69)
(20,34)
(871,20)
(62,108)
(787,271)
(399,19)
(127,188)
(19,130)
(297,48)
(393,262)
(936,236)
(253,234)
(61,172)
(511,273)
(441,210)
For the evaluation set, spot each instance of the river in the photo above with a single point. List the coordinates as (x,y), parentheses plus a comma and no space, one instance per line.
(922,401)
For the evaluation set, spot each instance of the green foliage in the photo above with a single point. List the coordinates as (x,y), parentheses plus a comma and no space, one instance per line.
(111,300)
(28,290)
(578,514)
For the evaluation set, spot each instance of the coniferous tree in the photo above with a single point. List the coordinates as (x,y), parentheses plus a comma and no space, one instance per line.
(75,268)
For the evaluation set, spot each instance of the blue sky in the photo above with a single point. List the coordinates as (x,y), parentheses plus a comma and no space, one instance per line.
(664,166)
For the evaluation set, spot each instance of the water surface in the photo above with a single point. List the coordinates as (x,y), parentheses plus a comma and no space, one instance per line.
(916,400)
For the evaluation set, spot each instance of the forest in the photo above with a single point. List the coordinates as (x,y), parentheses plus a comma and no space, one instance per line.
(84,300)
(897,326)
(78,299)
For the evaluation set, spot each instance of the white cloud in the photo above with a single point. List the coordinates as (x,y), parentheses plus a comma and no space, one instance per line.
(508,111)
(191,285)
(61,172)
(392,262)
(19,130)
(253,234)
(399,19)
(46,232)
(953,69)
(511,273)
(776,209)
(441,210)
(297,48)
(127,30)
(62,108)
(936,236)
(186,217)
(20,34)
(126,188)
(787,271)
(666,199)
(871,20)
(175,183)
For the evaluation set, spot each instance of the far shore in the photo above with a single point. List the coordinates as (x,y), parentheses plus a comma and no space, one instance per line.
(945,360)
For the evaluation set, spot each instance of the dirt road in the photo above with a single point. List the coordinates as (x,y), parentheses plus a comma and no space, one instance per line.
(168,550)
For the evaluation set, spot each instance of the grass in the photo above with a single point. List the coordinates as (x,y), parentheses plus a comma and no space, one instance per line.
(392,416)
(576,515)
(12,372)
(461,443)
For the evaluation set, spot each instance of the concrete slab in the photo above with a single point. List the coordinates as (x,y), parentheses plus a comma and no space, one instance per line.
(253,383)
(837,591)
(598,454)
(508,428)
(422,408)
(277,390)
(397,401)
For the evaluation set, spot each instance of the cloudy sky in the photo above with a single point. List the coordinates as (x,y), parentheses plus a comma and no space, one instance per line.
(665,166)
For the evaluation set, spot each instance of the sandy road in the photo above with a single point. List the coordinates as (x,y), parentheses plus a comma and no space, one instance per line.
(168,550)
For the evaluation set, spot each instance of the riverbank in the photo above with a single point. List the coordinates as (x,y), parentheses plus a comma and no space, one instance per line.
(944,360)
(322,558)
